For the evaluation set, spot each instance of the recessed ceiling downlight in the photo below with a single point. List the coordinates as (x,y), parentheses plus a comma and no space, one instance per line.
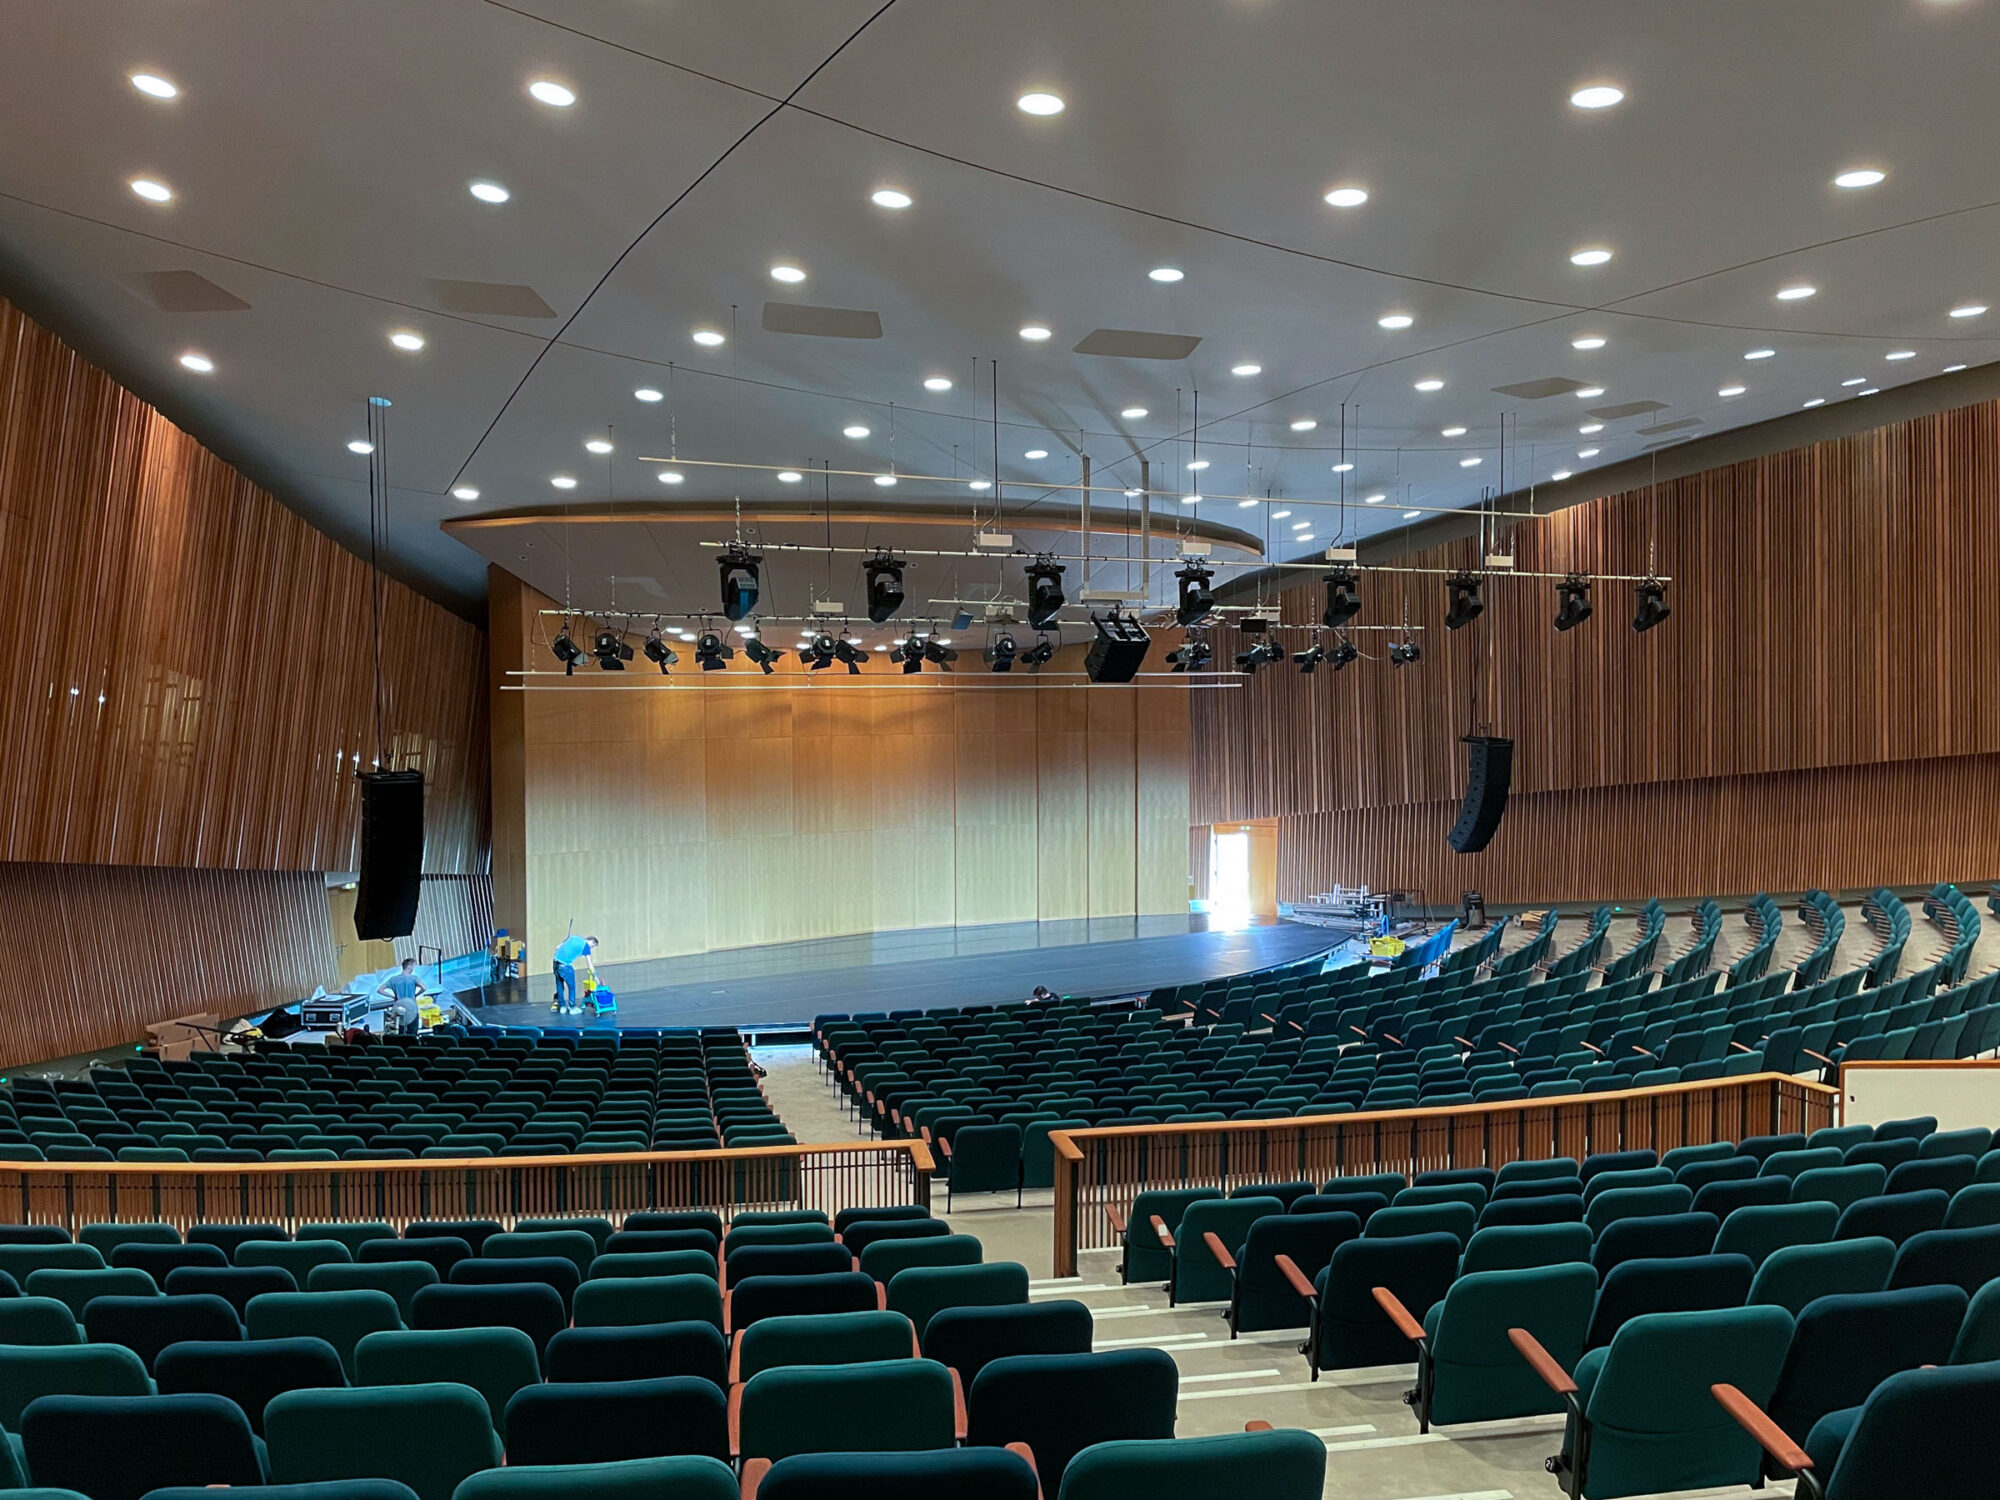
(789,274)
(1133,413)
(409,342)
(855,430)
(890,198)
(1797,293)
(153,84)
(1590,255)
(647,393)
(937,383)
(1035,333)
(1859,177)
(489,192)
(201,364)
(360,445)
(789,476)
(555,95)
(1347,197)
(1587,342)
(1166,274)
(151,191)
(1246,369)
(1040,103)
(708,338)
(1597,96)
(1394,321)
(465,492)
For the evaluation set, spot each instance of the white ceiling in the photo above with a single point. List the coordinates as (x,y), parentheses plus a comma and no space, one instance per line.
(320,156)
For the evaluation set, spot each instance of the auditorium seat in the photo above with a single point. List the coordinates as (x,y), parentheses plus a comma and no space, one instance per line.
(74,1289)
(342,1318)
(1467,1370)
(966,1339)
(122,1447)
(964,1473)
(836,1338)
(1843,1346)
(496,1362)
(1794,1275)
(249,1372)
(28,1373)
(887,1406)
(532,1308)
(430,1437)
(1061,1404)
(576,1423)
(1346,1327)
(923,1291)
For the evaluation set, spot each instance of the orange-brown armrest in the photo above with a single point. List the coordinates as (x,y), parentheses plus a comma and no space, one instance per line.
(1216,1248)
(735,1421)
(958,1405)
(726,1329)
(1595,1048)
(881,1297)
(1023,1451)
(1738,1046)
(1772,1438)
(1117,1218)
(736,1357)
(753,1475)
(944,1146)
(1505,1047)
(1392,1037)
(1301,1283)
(1541,1361)
(1408,1326)
(1166,1235)
(1820,1055)
(1258,1424)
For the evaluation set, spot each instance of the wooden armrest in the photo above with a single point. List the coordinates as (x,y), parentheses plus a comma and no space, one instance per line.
(881,1295)
(917,1345)
(735,1421)
(725,1311)
(1541,1361)
(736,1358)
(857,1261)
(753,1475)
(1406,1325)
(958,1405)
(1504,1047)
(1023,1451)
(1772,1438)
(1358,1031)
(1463,1042)
(1396,1039)
(1739,1047)
(1166,1235)
(944,1148)
(1595,1048)
(1116,1216)
(1645,1052)
(1216,1248)
(1301,1283)
(1820,1055)
(1258,1424)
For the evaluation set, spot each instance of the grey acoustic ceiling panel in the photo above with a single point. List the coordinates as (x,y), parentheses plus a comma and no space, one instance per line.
(1126,343)
(182,292)
(822,322)
(490,299)
(1541,390)
(1626,409)
(1659,427)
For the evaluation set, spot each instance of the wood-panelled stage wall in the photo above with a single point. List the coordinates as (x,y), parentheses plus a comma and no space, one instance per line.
(675,819)
(1819,710)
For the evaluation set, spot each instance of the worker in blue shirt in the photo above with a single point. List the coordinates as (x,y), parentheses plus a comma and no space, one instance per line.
(402,987)
(569,952)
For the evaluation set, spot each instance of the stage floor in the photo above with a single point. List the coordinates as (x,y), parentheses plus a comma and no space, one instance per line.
(790,983)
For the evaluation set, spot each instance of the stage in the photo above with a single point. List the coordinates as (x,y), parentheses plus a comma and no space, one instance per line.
(789,983)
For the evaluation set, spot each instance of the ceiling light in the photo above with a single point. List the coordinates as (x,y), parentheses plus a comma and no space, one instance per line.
(1304,424)
(151,191)
(597,445)
(1430,385)
(1817,401)
(489,192)
(1573,607)
(890,198)
(937,383)
(1469,463)
(465,492)
(1343,468)
(887,481)
(789,476)
(1246,369)
(1301,525)
(1039,104)
(647,393)
(1860,177)
(1588,452)
(560,481)
(1463,603)
(201,364)
(1034,333)
(361,445)
(1597,96)
(1166,273)
(1453,432)
(1588,341)
(1589,427)
(1190,499)
(1953,369)
(153,84)
(1901,354)
(1873,390)
(1394,321)
(708,338)
(549,92)
(1760,354)
(1589,393)
(1347,197)
(1969,310)
(411,342)
(1857,380)
(1411,515)
(668,476)
(854,431)
(1593,256)
(1133,413)
(1245,504)
(1374,499)
(1303,536)
(1197,465)
(1560,474)
(1279,515)
(1044,453)
(1133,494)
(980,484)
(1796,293)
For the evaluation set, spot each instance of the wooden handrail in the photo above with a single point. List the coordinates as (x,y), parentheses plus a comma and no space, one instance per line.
(919,1153)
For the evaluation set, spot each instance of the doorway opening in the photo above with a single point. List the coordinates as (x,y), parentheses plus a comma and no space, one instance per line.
(1229,880)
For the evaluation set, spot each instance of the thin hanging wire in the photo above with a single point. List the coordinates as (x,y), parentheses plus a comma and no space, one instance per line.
(378,516)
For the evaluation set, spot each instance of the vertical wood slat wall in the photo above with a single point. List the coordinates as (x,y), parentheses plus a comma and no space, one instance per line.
(188,680)
(1818,711)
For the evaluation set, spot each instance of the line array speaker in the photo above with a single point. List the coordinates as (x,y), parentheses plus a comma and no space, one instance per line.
(1489,769)
(392,854)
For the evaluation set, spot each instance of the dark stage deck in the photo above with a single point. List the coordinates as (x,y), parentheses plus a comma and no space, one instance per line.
(790,983)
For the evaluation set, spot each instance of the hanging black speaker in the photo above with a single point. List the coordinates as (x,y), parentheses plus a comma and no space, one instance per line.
(392,854)
(1489,768)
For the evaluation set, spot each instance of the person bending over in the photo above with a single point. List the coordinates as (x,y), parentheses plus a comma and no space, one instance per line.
(571,951)
(402,987)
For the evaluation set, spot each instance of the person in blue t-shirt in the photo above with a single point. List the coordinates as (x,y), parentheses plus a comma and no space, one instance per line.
(569,952)
(402,988)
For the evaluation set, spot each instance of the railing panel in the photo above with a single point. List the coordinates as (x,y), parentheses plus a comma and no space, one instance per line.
(1107,1167)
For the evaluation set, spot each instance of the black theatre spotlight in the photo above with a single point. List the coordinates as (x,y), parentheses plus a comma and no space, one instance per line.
(911,655)
(660,653)
(818,655)
(610,650)
(1404,652)
(1342,654)
(1574,608)
(1653,606)
(1197,598)
(1038,655)
(885,586)
(760,653)
(938,654)
(1463,604)
(1193,656)
(566,650)
(1343,597)
(1045,592)
(712,651)
(1002,652)
(852,655)
(1309,658)
(739,580)
(1264,653)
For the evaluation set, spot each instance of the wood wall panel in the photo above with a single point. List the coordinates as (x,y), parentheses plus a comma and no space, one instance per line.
(97,952)
(190,677)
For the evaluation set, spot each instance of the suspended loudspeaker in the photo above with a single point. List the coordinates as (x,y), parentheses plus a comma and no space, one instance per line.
(392,854)
(1489,768)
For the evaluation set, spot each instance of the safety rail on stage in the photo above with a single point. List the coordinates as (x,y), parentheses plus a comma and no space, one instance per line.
(1108,1166)
(861,1174)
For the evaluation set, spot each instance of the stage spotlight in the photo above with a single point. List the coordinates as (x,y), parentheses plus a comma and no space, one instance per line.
(1045,592)
(739,580)
(1193,656)
(660,653)
(712,652)
(939,655)
(1342,654)
(1001,653)
(1037,656)
(1463,602)
(911,655)
(885,586)
(1264,653)
(1343,597)
(1197,598)
(1404,652)
(566,650)
(760,653)
(1574,609)
(1309,658)
(611,651)
(1653,606)
(853,656)
(818,656)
